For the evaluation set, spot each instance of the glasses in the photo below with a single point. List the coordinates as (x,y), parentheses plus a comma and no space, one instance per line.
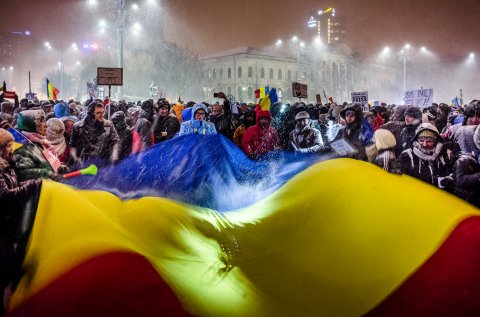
(349,113)
(200,113)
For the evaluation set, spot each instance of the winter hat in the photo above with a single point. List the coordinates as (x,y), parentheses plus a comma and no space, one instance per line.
(432,114)
(147,106)
(399,113)
(427,134)
(427,130)
(384,139)
(4,124)
(414,112)
(7,107)
(302,115)
(355,107)
(118,117)
(5,137)
(61,110)
(55,126)
(29,120)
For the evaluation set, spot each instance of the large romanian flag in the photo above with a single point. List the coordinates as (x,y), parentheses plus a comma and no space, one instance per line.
(338,238)
(52,91)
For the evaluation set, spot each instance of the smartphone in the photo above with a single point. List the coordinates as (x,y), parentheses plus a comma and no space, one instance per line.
(216,95)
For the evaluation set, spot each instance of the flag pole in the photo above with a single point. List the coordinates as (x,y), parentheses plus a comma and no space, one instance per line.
(29,83)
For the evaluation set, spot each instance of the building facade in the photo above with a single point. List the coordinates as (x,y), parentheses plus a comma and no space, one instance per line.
(336,73)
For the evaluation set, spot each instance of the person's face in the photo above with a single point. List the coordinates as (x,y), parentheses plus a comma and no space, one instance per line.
(427,142)
(163,111)
(200,115)
(47,109)
(263,122)
(243,108)
(99,113)
(68,127)
(409,120)
(7,152)
(475,120)
(350,116)
(216,110)
(303,122)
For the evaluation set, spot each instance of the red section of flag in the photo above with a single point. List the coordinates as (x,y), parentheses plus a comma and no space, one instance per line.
(9,95)
(447,284)
(257,93)
(114,284)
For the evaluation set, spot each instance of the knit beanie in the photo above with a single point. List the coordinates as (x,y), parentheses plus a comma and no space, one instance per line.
(414,112)
(5,137)
(428,134)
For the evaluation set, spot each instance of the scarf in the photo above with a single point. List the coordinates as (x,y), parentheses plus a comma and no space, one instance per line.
(427,155)
(57,140)
(39,139)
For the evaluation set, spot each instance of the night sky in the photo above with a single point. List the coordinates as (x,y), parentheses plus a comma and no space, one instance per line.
(445,27)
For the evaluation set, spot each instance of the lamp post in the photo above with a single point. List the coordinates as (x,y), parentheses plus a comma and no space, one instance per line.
(120,35)
(405,57)
(11,70)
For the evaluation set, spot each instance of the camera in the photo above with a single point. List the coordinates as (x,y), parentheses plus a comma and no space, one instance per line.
(216,95)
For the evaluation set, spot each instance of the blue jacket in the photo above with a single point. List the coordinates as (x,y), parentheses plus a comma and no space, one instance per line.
(196,126)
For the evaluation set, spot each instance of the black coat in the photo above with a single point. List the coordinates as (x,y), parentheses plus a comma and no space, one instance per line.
(428,171)
(224,123)
(93,139)
(466,172)
(18,203)
(167,124)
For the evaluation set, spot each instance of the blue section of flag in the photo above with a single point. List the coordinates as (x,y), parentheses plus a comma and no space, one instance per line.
(203,170)
(19,138)
(273,96)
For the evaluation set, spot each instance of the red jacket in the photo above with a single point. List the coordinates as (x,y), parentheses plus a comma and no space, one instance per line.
(257,141)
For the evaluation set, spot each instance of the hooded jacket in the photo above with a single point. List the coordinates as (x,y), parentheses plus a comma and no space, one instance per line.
(306,139)
(352,132)
(258,141)
(466,175)
(142,136)
(165,127)
(124,134)
(197,126)
(430,167)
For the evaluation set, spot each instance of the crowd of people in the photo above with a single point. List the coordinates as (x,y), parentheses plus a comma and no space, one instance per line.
(438,144)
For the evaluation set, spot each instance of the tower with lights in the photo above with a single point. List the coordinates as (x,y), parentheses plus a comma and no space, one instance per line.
(329,27)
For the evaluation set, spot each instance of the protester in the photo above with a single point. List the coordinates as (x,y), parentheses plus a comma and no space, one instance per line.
(384,145)
(198,124)
(304,138)
(142,128)
(221,116)
(94,137)
(261,138)
(124,134)
(246,121)
(56,137)
(14,197)
(352,131)
(413,118)
(166,124)
(427,159)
